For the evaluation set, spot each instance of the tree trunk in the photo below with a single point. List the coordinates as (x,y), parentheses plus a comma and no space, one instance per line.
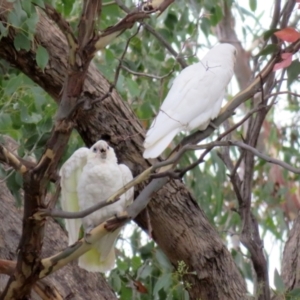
(71,281)
(291,258)
(179,226)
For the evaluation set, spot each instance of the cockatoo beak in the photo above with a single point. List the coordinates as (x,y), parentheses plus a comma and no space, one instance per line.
(103,153)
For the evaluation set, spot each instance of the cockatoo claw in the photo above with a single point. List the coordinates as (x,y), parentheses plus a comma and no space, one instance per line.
(87,234)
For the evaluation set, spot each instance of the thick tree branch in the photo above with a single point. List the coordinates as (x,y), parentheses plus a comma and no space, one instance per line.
(290,263)
(226,34)
(62,24)
(155,5)
(57,261)
(87,25)
(110,33)
(286,13)
(43,288)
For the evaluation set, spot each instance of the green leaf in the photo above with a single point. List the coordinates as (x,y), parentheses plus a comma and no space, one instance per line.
(3,30)
(269,49)
(136,262)
(68,6)
(216,15)
(253,5)
(42,57)
(115,282)
(5,121)
(163,282)
(12,85)
(163,260)
(126,293)
(145,271)
(109,56)
(171,20)
(27,6)
(133,87)
(146,251)
(31,22)
(294,294)
(267,34)
(21,42)
(278,282)
(39,96)
(122,265)
(13,19)
(293,71)
(39,3)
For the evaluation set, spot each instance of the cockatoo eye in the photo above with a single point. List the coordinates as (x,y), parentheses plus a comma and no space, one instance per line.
(107,147)
(94,149)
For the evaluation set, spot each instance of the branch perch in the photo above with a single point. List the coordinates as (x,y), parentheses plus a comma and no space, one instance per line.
(12,160)
(43,288)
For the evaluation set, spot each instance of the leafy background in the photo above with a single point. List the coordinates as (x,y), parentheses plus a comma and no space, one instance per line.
(27,112)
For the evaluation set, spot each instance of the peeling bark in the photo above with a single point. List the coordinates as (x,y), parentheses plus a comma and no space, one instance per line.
(291,258)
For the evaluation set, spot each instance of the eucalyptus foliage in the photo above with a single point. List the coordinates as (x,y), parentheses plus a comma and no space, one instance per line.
(27,112)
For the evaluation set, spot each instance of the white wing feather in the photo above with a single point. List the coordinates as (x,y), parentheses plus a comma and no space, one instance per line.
(70,173)
(127,177)
(98,181)
(102,257)
(194,99)
(85,181)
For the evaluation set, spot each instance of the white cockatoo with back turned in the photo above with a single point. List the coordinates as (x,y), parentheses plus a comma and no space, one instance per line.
(194,99)
(88,177)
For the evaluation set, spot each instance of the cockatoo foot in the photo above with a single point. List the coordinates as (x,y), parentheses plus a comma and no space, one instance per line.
(87,234)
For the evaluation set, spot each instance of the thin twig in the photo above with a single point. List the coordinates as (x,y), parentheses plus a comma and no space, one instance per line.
(112,199)
(145,74)
(282,93)
(159,37)
(210,146)
(180,173)
(117,73)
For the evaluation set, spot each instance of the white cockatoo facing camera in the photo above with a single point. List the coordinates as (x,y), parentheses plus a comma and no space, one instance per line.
(88,177)
(194,99)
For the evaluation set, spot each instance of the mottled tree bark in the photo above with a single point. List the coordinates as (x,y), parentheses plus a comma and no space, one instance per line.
(179,226)
(291,258)
(70,281)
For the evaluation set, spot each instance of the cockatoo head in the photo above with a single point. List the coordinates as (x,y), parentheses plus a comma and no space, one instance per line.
(101,150)
(221,51)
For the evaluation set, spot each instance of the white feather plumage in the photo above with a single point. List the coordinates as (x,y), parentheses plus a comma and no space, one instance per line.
(88,177)
(194,99)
